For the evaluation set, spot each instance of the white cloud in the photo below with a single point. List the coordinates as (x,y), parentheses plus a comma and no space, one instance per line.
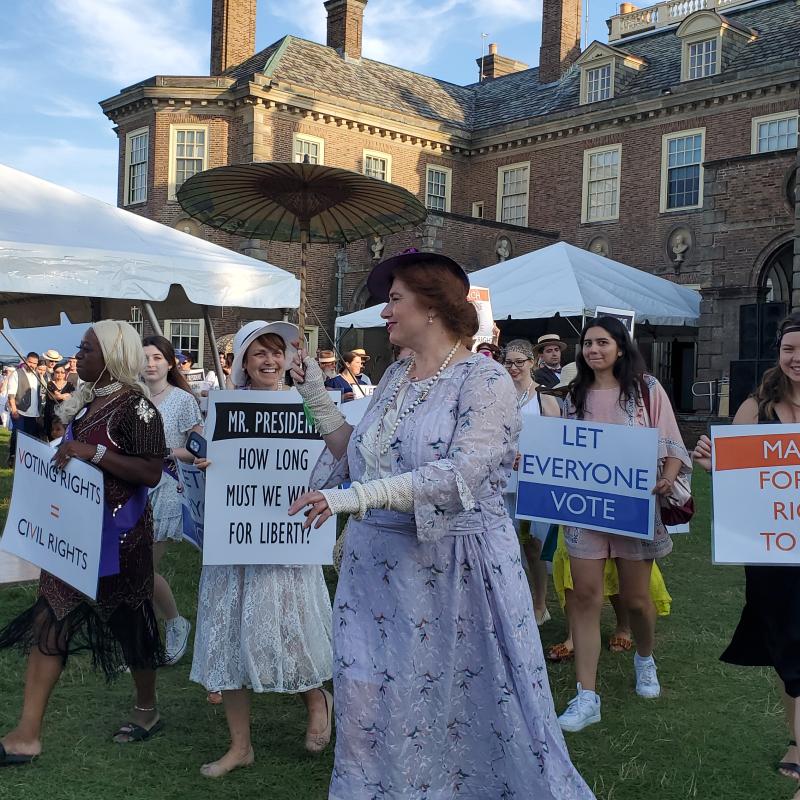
(126,42)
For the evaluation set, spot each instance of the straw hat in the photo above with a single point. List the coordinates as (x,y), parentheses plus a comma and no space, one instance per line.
(249,333)
(326,357)
(360,351)
(568,374)
(51,355)
(548,338)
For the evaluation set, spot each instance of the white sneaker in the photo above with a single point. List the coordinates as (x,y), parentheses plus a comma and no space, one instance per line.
(177,631)
(647,684)
(583,710)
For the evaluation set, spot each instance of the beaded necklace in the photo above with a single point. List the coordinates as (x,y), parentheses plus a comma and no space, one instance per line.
(384,443)
(104,391)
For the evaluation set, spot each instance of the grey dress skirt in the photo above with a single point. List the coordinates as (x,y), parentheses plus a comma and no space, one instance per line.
(441,689)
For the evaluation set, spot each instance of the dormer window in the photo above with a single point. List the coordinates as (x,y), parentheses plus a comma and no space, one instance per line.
(605,71)
(709,42)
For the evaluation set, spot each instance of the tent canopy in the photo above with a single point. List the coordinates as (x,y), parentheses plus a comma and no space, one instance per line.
(54,241)
(566,280)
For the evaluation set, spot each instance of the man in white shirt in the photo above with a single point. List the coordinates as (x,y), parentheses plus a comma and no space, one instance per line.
(23,402)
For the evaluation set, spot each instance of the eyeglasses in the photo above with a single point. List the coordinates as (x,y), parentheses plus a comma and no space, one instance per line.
(518,364)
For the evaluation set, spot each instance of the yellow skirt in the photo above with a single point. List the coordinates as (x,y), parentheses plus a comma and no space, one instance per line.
(562,579)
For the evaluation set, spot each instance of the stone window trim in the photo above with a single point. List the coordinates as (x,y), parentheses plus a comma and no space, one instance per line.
(701,57)
(174,129)
(665,140)
(447,172)
(184,333)
(586,78)
(765,119)
(299,139)
(620,65)
(379,156)
(129,164)
(501,171)
(585,205)
(478,209)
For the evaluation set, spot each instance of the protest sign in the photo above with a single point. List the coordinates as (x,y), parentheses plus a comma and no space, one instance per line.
(355,410)
(56,516)
(192,489)
(479,297)
(624,315)
(588,475)
(262,448)
(756,477)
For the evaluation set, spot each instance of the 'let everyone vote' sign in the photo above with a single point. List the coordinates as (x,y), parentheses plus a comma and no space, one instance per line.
(756,480)
(588,475)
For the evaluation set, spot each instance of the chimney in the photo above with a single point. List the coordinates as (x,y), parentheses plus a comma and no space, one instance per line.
(561,38)
(626,8)
(345,23)
(233,33)
(493,65)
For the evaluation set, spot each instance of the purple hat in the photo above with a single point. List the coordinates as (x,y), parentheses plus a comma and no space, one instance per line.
(380,279)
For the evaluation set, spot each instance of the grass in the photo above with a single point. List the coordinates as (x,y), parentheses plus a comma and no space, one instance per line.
(715,733)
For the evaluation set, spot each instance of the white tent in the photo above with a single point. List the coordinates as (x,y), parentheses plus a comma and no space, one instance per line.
(64,337)
(566,280)
(54,241)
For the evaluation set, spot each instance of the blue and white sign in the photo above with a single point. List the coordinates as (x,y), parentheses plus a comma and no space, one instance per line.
(588,475)
(192,488)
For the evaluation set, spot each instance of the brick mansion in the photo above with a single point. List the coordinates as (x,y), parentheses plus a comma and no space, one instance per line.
(672,147)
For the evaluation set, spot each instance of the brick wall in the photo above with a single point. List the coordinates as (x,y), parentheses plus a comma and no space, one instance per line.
(233,33)
(561,37)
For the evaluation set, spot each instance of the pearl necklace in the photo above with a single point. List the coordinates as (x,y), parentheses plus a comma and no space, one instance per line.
(105,391)
(385,444)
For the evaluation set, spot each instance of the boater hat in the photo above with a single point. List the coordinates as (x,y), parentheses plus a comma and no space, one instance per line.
(51,355)
(568,374)
(380,279)
(249,333)
(360,351)
(326,357)
(548,338)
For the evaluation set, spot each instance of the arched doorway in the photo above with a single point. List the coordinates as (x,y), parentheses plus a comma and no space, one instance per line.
(776,277)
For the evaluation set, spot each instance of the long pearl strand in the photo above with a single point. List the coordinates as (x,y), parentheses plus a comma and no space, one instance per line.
(386,443)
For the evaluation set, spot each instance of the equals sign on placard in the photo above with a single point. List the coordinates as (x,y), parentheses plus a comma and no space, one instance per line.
(55,511)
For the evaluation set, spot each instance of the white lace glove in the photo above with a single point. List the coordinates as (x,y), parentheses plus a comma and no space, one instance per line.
(394,494)
(327,416)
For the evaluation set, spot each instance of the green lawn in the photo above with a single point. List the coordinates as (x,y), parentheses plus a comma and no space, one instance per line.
(715,733)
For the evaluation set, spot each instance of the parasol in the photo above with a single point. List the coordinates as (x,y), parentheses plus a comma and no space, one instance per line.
(293,202)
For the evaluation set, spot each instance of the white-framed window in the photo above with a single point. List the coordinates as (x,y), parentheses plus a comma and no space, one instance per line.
(377,165)
(188,153)
(682,156)
(513,183)
(774,132)
(303,144)
(186,335)
(312,337)
(601,174)
(438,187)
(477,209)
(136,321)
(702,58)
(598,83)
(137,147)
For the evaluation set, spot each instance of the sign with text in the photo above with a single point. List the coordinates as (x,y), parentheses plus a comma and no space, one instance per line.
(479,297)
(756,483)
(56,516)
(588,475)
(262,449)
(625,315)
(192,489)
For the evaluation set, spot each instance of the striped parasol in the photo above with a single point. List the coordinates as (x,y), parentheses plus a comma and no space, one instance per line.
(306,203)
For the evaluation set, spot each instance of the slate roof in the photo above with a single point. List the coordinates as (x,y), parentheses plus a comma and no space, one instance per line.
(518,96)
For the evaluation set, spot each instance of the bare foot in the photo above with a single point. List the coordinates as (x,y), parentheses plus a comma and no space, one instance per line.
(15,743)
(232,760)
(320,712)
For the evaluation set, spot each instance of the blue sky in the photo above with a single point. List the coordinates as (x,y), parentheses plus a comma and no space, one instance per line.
(58,58)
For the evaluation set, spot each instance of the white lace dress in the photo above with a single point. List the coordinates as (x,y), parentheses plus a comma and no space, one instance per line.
(180,413)
(265,628)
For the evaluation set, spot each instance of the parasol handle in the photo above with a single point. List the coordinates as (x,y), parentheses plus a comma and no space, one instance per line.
(301,312)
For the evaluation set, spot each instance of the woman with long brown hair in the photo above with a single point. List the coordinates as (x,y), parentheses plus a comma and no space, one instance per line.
(768,634)
(180,414)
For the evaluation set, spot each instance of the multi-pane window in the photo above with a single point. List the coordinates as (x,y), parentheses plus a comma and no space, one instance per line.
(598,83)
(190,154)
(137,145)
(601,184)
(311,148)
(377,165)
(702,58)
(186,335)
(683,175)
(136,320)
(512,188)
(775,133)
(437,190)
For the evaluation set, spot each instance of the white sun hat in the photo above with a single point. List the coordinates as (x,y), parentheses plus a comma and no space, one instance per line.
(249,333)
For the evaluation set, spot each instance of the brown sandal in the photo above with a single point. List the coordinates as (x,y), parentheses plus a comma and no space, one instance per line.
(560,652)
(620,644)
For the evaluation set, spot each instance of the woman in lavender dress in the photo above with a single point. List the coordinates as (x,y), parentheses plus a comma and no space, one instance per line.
(439,678)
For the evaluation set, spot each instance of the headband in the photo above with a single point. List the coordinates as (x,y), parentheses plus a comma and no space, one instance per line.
(792,328)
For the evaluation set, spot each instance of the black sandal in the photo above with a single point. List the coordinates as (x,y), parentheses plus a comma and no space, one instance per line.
(13,759)
(789,769)
(136,733)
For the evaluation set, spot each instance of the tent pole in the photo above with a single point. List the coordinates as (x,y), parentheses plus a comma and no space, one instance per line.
(152,318)
(214,349)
